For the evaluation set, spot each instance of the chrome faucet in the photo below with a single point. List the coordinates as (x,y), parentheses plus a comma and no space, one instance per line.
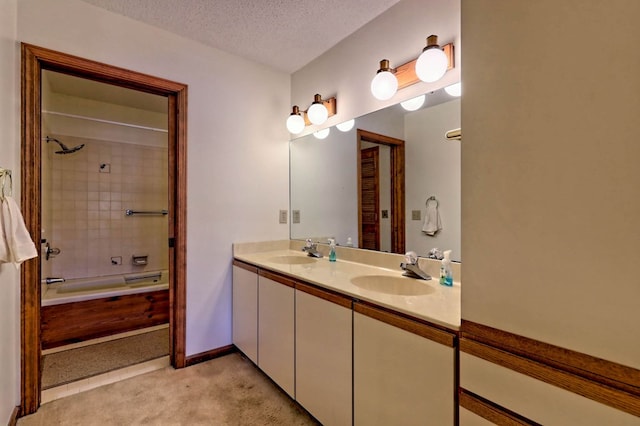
(411,268)
(311,248)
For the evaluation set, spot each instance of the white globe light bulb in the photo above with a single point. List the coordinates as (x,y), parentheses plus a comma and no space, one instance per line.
(384,85)
(317,113)
(414,103)
(346,126)
(295,124)
(454,89)
(431,65)
(322,134)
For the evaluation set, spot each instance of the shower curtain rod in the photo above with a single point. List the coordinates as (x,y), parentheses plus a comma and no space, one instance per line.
(99,120)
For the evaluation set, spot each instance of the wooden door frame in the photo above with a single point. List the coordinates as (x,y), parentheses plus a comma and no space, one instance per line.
(397,185)
(34,60)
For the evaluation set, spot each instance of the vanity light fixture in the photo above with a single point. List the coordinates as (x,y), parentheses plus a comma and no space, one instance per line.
(411,72)
(432,62)
(322,134)
(454,90)
(295,122)
(317,114)
(413,103)
(346,125)
(385,84)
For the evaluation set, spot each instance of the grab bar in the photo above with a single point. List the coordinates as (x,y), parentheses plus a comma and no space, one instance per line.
(130,212)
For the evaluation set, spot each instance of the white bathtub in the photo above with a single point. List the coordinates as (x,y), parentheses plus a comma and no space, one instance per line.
(80,289)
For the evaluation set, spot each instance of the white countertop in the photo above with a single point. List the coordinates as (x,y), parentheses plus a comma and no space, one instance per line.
(441,306)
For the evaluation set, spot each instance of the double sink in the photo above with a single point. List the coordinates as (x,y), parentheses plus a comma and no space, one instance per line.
(387,284)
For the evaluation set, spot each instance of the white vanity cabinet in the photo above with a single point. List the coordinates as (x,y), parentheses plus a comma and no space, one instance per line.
(245,309)
(324,354)
(403,370)
(276,329)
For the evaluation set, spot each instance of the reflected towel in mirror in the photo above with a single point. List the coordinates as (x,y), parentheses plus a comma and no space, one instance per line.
(432,223)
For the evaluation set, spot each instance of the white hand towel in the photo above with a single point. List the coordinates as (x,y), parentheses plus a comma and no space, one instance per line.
(432,222)
(14,231)
(5,253)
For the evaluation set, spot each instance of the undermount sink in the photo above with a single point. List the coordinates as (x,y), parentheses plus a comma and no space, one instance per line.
(291,260)
(401,286)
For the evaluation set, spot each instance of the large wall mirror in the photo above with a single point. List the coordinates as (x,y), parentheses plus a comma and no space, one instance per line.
(348,186)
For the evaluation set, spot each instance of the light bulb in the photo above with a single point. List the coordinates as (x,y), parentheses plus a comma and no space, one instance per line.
(385,84)
(295,122)
(432,63)
(346,126)
(322,134)
(317,112)
(454,89)
(414,103)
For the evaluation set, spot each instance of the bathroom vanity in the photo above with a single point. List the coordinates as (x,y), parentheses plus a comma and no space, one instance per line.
(353,341)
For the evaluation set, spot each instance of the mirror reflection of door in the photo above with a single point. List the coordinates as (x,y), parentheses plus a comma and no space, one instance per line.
(370,196)
(381,210)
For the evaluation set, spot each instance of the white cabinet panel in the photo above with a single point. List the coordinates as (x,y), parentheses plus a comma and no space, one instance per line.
(468,418)
(534,399)
(245,312)
(400,378)
(276,332)
(323,359)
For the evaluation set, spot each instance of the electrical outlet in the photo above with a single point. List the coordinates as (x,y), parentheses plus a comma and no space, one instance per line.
(295,216)
(105,168)
(116,260)
(385,214)
(415,214)
(283,216)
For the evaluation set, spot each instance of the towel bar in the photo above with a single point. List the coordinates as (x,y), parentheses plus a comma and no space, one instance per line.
(130,212)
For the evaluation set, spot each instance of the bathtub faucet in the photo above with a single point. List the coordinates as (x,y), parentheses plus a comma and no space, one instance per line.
(51,280)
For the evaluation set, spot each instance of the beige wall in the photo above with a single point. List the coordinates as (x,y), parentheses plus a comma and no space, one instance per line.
(9,159)
(237,143)
(550,172)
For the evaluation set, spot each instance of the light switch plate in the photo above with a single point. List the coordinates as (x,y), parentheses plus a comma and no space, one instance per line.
(415,214)
(283,216)
(385,214)
(295,216)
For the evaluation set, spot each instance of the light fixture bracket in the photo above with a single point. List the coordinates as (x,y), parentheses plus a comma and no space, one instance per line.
(406,73)
(330,105)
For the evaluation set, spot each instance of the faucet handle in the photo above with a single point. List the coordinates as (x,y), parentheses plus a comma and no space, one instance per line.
(411,257)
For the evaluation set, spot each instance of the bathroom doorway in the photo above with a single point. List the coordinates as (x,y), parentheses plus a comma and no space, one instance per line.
(394,186)
(35,62)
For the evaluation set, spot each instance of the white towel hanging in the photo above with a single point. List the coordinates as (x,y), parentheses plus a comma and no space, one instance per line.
(16,245)
(432,222)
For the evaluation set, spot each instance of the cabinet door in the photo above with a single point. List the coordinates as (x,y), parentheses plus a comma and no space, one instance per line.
(276,332)
(400,377)
(245,311)
(323,356)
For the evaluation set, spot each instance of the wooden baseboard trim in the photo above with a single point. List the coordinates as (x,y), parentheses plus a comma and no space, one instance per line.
(593,390)
(428,331)
(209,355)
(13,420)
(618,376)
(491,411)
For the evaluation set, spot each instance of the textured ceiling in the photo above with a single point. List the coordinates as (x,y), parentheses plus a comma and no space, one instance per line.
(284,34)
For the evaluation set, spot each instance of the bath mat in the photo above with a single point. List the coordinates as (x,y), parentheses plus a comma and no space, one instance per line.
(80,363)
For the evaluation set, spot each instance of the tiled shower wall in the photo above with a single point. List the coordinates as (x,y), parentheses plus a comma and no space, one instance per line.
(90,191)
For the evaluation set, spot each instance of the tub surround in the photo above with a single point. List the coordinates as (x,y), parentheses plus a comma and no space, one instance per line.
(441,306)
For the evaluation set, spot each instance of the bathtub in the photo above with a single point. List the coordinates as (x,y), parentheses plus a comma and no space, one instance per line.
(81,289)
(88,308)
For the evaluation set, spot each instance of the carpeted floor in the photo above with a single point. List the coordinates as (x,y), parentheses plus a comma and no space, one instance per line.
(225,391)
(75,364)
